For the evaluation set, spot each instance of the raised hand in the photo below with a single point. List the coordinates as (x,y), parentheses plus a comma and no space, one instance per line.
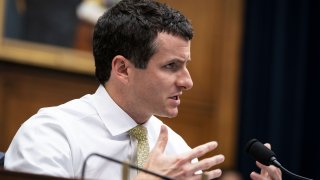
(181,167)
(267,172)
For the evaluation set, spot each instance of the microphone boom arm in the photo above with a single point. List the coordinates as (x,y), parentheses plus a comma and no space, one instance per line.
(120,162)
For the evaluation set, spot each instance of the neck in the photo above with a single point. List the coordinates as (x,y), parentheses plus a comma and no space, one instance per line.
(118,95)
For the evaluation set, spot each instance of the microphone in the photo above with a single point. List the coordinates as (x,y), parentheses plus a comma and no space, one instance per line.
(266,156)
(125,164)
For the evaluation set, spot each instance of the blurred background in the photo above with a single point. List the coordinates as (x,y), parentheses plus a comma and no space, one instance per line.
(255,67)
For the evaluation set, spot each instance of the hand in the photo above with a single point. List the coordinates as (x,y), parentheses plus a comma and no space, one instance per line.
(180,167)
(267,172)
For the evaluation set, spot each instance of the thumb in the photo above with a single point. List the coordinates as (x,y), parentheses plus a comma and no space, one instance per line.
(162,139)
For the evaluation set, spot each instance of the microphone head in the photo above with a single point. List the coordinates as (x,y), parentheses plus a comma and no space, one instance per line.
(259,152)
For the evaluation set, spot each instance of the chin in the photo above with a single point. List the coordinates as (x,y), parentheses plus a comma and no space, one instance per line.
(169,114)
(172,114)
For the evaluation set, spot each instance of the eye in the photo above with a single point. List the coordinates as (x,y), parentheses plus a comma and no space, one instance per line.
(172,65)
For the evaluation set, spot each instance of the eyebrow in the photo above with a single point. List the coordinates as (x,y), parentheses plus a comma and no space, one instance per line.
(180,60)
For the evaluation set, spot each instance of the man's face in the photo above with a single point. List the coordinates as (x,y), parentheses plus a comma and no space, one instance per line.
(156,90)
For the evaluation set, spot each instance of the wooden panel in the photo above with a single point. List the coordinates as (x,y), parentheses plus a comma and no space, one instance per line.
(227,94)
(26,89)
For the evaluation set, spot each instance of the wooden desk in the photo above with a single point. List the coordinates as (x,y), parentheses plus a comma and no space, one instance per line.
(11,175)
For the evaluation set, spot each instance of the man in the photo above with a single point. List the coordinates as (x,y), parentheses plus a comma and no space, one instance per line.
(141,50)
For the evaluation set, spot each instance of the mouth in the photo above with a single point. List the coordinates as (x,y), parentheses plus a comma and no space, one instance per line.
(174,97)
(174,101)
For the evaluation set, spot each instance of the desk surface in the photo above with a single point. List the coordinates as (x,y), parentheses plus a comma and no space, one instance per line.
(11,175)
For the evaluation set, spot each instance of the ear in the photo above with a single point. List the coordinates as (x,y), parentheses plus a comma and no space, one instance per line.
(120,68)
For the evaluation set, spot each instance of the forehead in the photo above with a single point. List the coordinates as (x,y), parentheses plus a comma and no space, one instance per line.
(172,46)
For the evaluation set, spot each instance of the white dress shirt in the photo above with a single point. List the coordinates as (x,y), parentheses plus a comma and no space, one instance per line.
(56,140)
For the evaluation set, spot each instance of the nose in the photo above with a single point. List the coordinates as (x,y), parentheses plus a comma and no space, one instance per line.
(184,80)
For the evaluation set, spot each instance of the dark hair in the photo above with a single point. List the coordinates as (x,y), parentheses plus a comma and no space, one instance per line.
(129,29)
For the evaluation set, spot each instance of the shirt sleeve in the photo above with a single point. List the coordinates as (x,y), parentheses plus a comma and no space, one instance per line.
(40,147)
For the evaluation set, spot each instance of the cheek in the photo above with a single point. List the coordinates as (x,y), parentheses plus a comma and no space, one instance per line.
(154,84)
(151,90)
(144,87)
(158,84)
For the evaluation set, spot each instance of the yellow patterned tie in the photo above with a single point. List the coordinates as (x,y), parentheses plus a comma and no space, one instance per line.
(140,133)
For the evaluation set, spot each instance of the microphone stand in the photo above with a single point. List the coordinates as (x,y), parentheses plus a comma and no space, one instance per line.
(125,172)
(120,162)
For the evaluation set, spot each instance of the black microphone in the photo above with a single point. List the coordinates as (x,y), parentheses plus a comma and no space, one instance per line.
(120,162)
(266,156)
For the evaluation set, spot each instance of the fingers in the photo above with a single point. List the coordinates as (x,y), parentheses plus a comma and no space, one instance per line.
(268,145)
(256,176)
(213,174)
(271,171)
(207,163)
(267,172)
(162,139)
(272,176)
(201,150)
(204,164)
(263,171)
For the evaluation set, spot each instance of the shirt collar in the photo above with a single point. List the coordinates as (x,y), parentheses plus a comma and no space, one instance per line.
(116,120)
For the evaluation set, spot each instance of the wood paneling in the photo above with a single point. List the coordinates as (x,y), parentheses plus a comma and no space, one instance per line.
(24,90)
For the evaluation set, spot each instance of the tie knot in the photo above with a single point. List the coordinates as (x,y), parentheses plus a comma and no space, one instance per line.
(139,132)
